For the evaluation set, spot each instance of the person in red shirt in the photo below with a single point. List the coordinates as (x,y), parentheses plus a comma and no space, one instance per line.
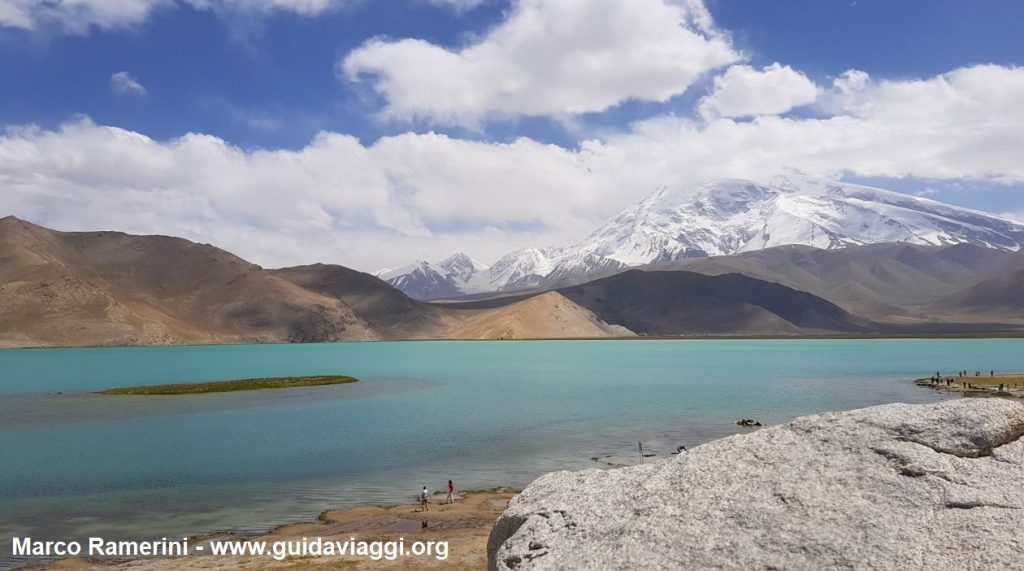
(451,493)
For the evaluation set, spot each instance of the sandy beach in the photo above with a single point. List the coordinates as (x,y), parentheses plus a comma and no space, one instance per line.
(464,524)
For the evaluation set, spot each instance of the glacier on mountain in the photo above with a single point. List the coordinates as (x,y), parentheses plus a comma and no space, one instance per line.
(720,217)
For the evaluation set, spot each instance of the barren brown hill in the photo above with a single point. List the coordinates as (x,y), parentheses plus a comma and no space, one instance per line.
(109,288)
(385,308)
(546,316)
(900,283)
(398,316)
(688,303)
(1000,296)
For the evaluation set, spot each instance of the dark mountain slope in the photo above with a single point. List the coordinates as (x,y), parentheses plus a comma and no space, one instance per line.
(378,303)
(678,302)
(880,281)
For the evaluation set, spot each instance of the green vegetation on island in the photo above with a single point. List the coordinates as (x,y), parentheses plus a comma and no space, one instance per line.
(231,386)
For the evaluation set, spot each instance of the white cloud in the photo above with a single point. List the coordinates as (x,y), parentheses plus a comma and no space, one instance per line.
(300,7)
(458,5)
(548,57)
(965,124)
(334,200)
(77,16)
(81,16)
(426,195)
(13,15)
(123,83)
(743,91)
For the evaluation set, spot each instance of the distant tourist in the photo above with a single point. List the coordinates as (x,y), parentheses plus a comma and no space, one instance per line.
(423,499)
(451,493)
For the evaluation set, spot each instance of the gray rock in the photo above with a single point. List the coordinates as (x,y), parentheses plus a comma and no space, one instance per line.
(891,487)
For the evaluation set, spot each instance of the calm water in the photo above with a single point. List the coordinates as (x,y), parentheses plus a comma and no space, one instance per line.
(482,413)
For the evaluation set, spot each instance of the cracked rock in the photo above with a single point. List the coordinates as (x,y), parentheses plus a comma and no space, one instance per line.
(891,487)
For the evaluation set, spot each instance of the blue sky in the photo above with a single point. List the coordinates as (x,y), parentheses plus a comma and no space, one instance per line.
(270,82)
(254,78)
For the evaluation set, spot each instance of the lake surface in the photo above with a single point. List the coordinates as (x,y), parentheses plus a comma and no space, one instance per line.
(482,413)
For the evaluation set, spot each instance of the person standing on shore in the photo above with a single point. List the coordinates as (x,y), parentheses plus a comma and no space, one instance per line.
(451,493)
(423,499)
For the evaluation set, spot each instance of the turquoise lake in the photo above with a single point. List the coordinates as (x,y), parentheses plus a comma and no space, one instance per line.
(484,414)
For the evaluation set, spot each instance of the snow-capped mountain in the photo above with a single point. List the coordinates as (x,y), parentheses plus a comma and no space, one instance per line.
(460,267)
(521,269)
(730,216)
(448,278)
(721,217)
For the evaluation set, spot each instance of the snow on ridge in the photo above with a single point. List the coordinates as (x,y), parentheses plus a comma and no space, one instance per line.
(722,217)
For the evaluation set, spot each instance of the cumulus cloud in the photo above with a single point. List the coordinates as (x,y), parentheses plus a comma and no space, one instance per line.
(122,83)
(81,16)
(965,124)
(743,91)
(426,195)
(77,16)
(334,200)
(458,5)
(548,57)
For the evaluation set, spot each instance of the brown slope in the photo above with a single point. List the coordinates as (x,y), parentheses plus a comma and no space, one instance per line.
(679,302)
(381,305)
(546,316)
(1005,292)
(398,316)
(882,281)
(1001,297)
(109,288)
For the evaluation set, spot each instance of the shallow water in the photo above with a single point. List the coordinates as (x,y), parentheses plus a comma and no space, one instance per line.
(482,413)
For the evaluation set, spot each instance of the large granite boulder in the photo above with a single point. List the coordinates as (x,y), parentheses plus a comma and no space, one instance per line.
(890,487)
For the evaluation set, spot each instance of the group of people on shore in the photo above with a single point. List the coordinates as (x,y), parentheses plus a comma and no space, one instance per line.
(938,378)
(424,496)
(963,379)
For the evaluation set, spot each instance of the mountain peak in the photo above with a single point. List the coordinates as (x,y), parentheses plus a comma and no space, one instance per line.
(729,216)
(460,259)
(13,220)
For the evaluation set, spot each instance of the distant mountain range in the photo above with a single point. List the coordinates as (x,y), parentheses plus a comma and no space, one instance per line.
(110,288)
(721,217)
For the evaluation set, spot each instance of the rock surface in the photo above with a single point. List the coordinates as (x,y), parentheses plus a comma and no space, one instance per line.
(890,487)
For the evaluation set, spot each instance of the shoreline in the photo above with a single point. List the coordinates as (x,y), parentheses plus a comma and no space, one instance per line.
(1004,334)
(978,386)
(465,525)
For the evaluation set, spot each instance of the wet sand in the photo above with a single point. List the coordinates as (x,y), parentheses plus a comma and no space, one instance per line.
(464,524)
